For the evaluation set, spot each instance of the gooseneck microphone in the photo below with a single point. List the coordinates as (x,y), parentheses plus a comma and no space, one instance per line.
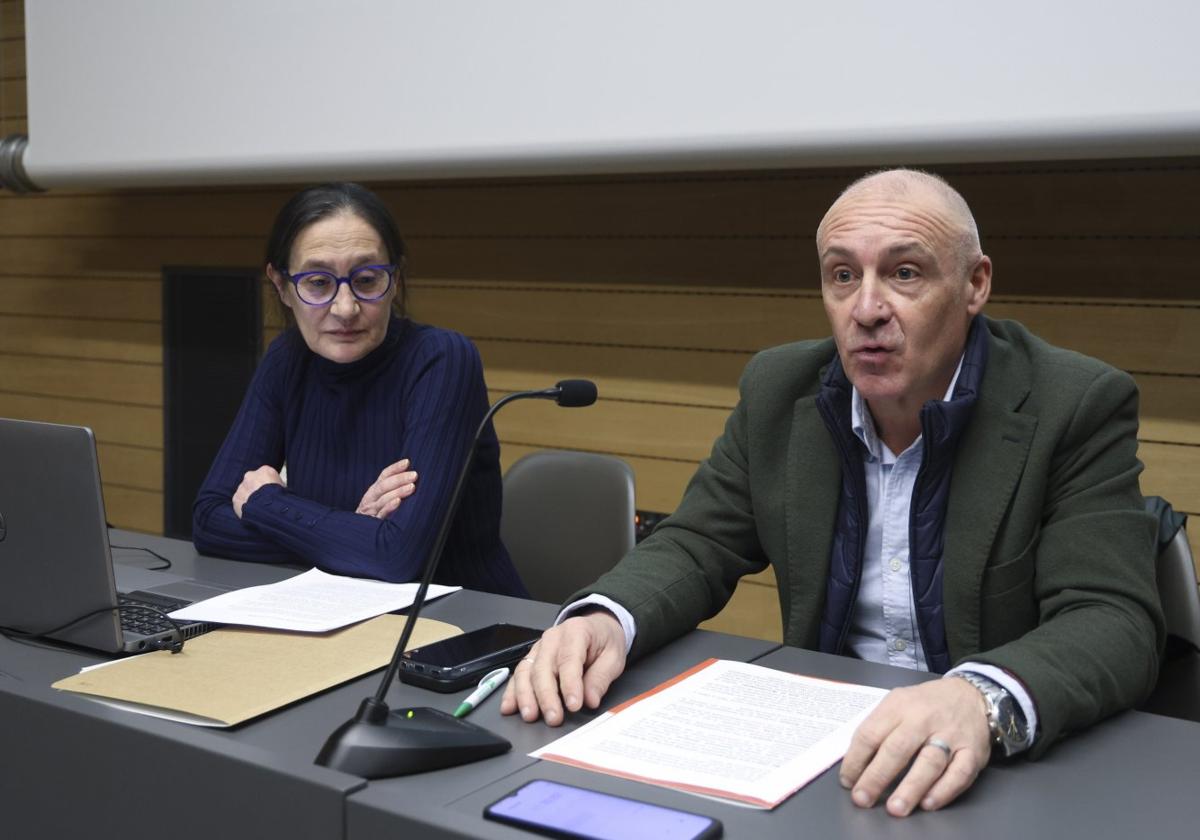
(378,743)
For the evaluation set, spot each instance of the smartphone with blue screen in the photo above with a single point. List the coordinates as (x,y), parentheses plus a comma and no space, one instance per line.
(553,809)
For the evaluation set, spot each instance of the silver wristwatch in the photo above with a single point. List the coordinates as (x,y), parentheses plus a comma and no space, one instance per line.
(1006,722)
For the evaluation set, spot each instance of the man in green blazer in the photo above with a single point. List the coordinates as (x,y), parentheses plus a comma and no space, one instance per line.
(933,489)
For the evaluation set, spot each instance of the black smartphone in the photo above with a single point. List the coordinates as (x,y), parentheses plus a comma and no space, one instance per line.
(557,810)
(459,662)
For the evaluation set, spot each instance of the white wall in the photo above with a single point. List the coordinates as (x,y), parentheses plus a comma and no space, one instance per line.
(186,91)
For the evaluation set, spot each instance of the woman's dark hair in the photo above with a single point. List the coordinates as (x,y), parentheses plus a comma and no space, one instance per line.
(324,200)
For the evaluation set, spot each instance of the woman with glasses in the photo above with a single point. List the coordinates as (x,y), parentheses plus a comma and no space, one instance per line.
(371,412)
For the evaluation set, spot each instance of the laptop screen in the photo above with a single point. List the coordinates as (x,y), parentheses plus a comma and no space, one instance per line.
(55,563)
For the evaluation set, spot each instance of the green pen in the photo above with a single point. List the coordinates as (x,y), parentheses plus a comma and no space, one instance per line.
(486,686)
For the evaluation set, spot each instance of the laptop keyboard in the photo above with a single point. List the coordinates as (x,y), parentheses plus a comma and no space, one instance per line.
(147,621)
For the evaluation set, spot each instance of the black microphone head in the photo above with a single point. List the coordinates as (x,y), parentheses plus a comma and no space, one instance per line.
(575,393)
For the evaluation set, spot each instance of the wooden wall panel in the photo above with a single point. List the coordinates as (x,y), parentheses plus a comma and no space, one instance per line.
(135,426)
(1157,338)
(659,287)
(12,18)
(650,430)
(1061,203)
(636,374)
(13,106)
(80,323)
(1171,472)
(119,341)
(93,255)
(1170,408)
(12,57)
(132,467)
(136,510)
(49,376)
(752,611)
(12,92)
(84,295)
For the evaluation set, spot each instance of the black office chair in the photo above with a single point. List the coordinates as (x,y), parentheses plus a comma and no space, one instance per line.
(568,517)
(1177,693)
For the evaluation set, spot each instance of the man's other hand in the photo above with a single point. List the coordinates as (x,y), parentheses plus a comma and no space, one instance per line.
(572,664)
(951,712)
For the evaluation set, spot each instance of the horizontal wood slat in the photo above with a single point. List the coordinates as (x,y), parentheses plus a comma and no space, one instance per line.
(1113,198)
(1151,338)
(1120,268)
(1170,408)
(682,377)
(1032,201)
(12,95)
(113,382)
(118,341)
(234,212)
(1170,405)
(1173,472)
(130,466)
(752,611)
(668,449)
(13,125)
(134,510)
(12,18)
(728,319)
(123,255)
(1156,339)
(130,425)
(113,298)
(647,429)
(1143,269)
(12,57)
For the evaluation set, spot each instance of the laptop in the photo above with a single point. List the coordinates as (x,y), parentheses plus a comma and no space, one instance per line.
(55,558)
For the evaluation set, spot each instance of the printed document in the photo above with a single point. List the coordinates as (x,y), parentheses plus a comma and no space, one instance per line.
(313,602)
(724,729)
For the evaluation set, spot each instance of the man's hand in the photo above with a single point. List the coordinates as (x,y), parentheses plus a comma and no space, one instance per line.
(950,711)
(395,484)
(572,664)
(251,481)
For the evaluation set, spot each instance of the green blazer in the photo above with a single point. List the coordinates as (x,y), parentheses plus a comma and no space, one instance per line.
(1048,566)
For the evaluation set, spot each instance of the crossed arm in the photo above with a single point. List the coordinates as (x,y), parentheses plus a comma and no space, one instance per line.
(395,484)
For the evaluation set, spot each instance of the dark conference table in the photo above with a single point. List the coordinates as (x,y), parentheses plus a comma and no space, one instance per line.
(74,767)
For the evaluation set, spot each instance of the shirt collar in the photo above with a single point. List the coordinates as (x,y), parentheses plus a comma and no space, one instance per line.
(863,425)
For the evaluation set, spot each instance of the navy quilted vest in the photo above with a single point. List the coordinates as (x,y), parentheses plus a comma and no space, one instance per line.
(942,424)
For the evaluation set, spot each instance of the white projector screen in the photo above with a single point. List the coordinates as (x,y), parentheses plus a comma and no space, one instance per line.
(140,92)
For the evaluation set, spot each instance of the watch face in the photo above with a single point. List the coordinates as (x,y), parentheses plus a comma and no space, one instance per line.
(1012,722)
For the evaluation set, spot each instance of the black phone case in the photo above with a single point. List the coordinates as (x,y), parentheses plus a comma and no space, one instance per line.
(458,682)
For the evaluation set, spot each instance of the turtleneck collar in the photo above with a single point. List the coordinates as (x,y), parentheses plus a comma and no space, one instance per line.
(337,373)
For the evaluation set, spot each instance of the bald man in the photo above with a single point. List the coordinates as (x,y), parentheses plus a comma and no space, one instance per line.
(934,489)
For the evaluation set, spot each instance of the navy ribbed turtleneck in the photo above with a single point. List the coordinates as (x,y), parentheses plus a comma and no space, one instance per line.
(419,395)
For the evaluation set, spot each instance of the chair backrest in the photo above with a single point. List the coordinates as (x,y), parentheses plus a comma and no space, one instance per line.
(567,518)
(1177,589)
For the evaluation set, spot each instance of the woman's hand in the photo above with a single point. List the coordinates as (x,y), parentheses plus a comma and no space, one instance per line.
(395,484)
(251,481)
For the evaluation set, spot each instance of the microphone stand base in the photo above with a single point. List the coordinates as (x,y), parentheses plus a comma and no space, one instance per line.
(405,741)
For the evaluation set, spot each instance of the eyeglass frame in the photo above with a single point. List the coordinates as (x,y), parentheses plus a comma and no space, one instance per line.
(296,278)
